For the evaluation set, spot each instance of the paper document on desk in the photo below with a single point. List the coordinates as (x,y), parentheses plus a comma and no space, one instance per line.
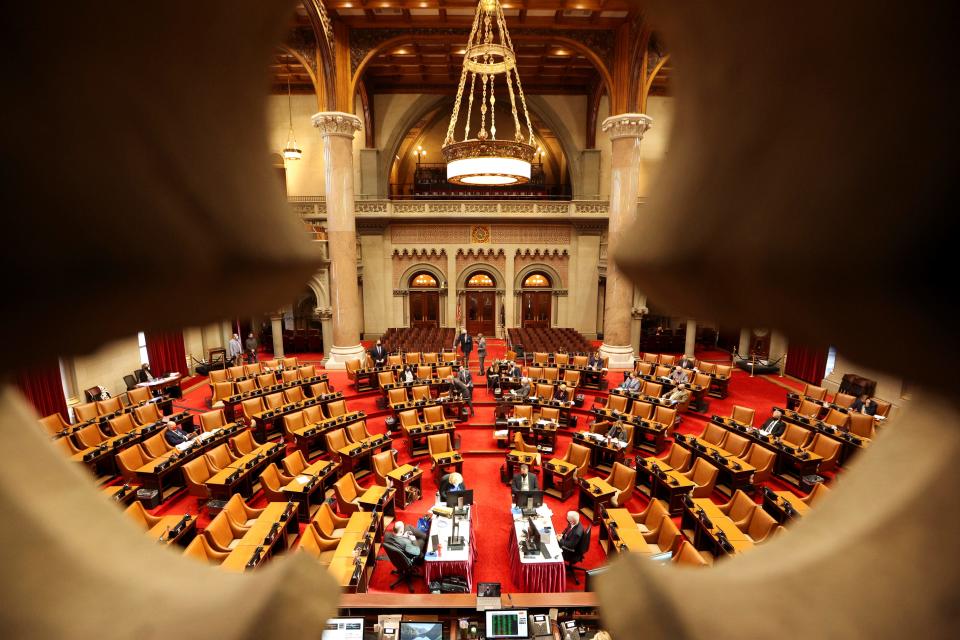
(302,479)
(184,445)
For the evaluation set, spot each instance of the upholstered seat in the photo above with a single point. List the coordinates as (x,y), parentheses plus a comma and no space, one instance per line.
(272,482)
(642,410)
(307,371)
(714,434)
(843,400)
(616,403)
(837,419)
(236,372)
(667,536)
(651,389)
(652,358)
(290,363)
(293,394)
(220,457)
(129,460)
(735,444)
(383,463)
(439,443)
(213,420)
(54,424)
(385,378)
(313,543)
(678,458)
(519,444)
(91,436)
(348,493)
(444,372)
(409,418)
(761,525)
(739,509)
(243,443)
(523,411)
(266,380)
(217,375)
(421,392)
(122,424)
(561,359)
(571,378)
(196,473)
(579,456)
(336,408)
(809,408)
(761,459)
(827,448)
(433,415)
(644,368)
(624,479)
(200,549)
(141,516)
(817,494)
(686,554)
(551,373)
(328,523)
(274,400)
(221,391)
(156,445)
(704,476)
(357,432)
(246,386)
(252,369)
(861,425)
(744,415)
(667,417)
(431,358)
(412,357)
(541,358)
(544,391)
(321,388)
(85,412)
(240,513)
(110,405)
(289,376)
(395,360)
(815,392)
(648,520)
(138,395)
(222,534)
(294,463)
(795,435)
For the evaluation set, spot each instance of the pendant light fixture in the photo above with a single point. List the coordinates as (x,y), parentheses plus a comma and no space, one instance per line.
(485,160)
(291,151)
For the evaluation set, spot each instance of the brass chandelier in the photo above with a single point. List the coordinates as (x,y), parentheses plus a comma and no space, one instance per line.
(485,160)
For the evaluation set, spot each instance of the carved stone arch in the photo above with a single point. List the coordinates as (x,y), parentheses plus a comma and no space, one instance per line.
(432,269)
(571,150)
(318,284)
(498,280)
(556,282)
(421,106)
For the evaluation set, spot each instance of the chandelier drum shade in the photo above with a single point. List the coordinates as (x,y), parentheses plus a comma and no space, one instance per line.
(484,160)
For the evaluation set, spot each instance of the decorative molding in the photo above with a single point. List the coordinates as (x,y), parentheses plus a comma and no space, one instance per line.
(626,125)
(371,227)
(366,206)
(420,253)
(401,292)
(480,253)
(325,313)
(480,234)
(337,123)
(541,253)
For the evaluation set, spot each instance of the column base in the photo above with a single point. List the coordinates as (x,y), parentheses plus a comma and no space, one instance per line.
(618,357)
(337,356)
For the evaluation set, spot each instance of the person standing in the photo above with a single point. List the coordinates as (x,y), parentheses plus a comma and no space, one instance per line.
(481,352)
(235,350)
(465,342)
(379,354)
(464,382)
(251,346)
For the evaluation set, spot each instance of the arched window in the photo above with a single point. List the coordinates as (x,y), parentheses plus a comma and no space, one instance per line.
(537,279)
(423,280)
(480,280)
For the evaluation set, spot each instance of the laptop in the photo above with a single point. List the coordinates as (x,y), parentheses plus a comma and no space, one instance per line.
(488,596)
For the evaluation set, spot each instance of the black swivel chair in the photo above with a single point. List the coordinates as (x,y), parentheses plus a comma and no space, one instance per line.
(404,566)
(130,381)
(583,545)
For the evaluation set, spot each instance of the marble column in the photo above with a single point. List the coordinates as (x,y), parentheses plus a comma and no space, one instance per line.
(625,131)
(276,328)
(337,130)
(690,346)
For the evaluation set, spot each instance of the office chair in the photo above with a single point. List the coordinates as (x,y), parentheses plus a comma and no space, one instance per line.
(577,556)
(404,566)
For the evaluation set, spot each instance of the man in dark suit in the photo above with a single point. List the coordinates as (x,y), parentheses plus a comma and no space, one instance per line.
(524,390)
(616,432)
(865,404)
(688,362)
(516,371)
(774,426)
(595,361)
(561,393)
(463,382)
(524,481)
(174,435)
(465,342)
(379,355)
(570,538)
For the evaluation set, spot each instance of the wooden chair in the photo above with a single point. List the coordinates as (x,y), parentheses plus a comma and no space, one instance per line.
(739,509)
(222,534)
(704,476)
(240,513)
(743,415)
(272,482)
(624,479)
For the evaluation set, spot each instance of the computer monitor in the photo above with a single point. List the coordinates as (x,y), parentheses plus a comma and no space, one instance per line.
(488,589)
(421,631)
(528,499)
(343,629)
(461,498)
(533,534)
(511,623)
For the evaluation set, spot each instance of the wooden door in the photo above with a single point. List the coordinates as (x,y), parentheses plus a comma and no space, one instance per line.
(535,310)
(481,316)
(424,309)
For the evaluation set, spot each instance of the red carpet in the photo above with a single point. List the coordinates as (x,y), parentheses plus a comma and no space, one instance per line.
(483,461)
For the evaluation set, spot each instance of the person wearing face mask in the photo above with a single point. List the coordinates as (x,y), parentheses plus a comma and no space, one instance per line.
(379,354)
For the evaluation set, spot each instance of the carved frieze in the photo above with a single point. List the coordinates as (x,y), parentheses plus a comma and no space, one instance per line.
(337,123)
(626,125)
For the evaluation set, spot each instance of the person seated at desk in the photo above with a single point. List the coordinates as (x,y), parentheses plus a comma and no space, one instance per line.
(524,390)
(451,482)
(570,538)
(630,383)
(514,371)
(379,354)
(679,376)
(561,393)
(595,361)
(679,395)
(616,432)
(864,404)
(145,374)
(524,480)
(411,540)
(407,374)
(774,426)
(174,435)
(688,362)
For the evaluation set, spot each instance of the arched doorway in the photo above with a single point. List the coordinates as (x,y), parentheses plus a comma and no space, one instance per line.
(481,304)
(424,300)
(535,300)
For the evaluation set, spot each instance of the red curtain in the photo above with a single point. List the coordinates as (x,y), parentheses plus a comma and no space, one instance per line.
(807,363)
(166,353)
(43,387)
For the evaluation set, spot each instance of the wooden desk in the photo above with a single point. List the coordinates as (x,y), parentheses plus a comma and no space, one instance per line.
(664,482)
(238,476)
(125,494)
(558,479)
(542,433)
(507,402)
(165,473)
(603,454)
(735,473)
(163,385)
(790,465)
(595,494)
(849,443)
(516,458)
(443,463)
(312,439)
(377,497)
(408,483)
(167,525)
(621,534)
(784,505)
(270,533)
(308,488)
(695,518)
(417,435)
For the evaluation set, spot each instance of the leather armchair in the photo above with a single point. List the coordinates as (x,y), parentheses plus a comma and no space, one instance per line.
(129,460)
(212,420)
(54,424)
(579,456)
(643,368)
(652,358)
(138,395)
(317,546)
(679,458)
(252,369)
(616,403)
(561,359)
(795,435)
(85,412)
(651,389)
(668,359)
(571,378)
(336,440)
(424,372)
(348,493)
(396,396)
(91,436)
(221,391)
(243,443)
(409,418)
(294,463)
(815,392)
(217,375)
(667,417)
(110,405)
(421,392)
(642,410)
(352,365)
(336,408)
(222,534)
(544,391)
(236,372)
(200,549)
(523,411)
(289,363)
(743,415)
(156,445)
(761,459)
(714,434)
(541,358)
(395,360)
(843,400)
(736,444)
(668,535)
(383,463)
(624,479)
(272,481)
(439,443)
(288,376)
(357,432)
(837,419)
(195,474)
(519,444)
(328,523)
(740,509)
(535,372)
(274,400)
(686,554)
(578,361)
(306,371)
(861,425)
(122,424)
(433,415)
(385,378)
(649,520)
(827,448)
(318,389)
(761,526)
(266,380)
(431,358)
(240,513)
(552,374)
(293,394)
(809,408)
(413,357)
(220,457)
(704,476)
(444,372)
(246,386)
(819,491)
(251,407)
(270,364)
(141,516)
